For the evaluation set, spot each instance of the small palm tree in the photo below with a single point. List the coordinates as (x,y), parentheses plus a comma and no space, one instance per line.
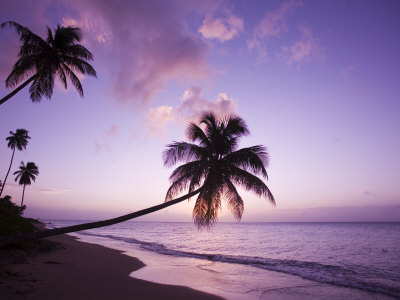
(212,169)
(17,140)
(216,165)
(25,175)
(39,61)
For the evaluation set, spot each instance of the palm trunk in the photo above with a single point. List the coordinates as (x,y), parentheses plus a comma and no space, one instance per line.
(22,201)
(29,80)
(9,168)
(56,231)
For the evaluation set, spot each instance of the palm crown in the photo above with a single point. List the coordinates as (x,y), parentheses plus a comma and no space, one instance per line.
(215,165)
(26,173)
(59,55)
(18,140)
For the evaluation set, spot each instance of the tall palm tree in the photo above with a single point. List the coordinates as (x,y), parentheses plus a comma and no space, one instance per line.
(25,175)
(40,61)
(17,140)
(213,167)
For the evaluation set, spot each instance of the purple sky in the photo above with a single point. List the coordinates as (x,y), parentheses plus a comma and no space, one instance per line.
(316,81)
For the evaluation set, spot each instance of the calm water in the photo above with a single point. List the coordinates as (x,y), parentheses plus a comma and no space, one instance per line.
(359,255)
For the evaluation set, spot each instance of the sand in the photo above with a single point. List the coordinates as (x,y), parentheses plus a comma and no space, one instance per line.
(77,270)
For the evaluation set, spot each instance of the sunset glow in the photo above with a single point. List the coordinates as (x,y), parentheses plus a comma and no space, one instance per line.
(316,81)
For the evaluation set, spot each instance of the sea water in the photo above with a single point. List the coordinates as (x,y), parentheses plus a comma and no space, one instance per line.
(363,256)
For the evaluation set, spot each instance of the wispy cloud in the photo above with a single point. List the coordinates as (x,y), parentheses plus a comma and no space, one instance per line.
(346,72)
(55,192)
(102,142)
(193,105)
(112,131)
(273,25)
(303,50)
(222,28)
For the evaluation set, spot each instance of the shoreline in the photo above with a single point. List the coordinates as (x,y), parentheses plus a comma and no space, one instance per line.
(230,281)
(80,270)
(92,267)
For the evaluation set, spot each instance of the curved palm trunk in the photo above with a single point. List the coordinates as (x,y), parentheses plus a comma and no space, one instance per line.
(29,80)
(22,201)
(9,168)
(91,225)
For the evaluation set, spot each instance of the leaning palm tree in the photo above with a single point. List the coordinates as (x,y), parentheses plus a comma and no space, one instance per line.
(17,140)
(25,175)
(213,167)
(40,61)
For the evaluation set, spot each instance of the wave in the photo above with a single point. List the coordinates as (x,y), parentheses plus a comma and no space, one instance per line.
(331,274)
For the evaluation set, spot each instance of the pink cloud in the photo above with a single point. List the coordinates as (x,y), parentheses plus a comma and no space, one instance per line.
(156,120)
(112,131)
(273,25)
(143,44)
(194,104)
(221,28)
(303,50)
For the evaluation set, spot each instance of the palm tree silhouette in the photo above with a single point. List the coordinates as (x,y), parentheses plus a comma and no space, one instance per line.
(216,165)
(25,175)
(17,140)
(39,61)
(213,167)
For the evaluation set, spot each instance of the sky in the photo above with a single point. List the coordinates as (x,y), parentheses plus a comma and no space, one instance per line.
(316,81)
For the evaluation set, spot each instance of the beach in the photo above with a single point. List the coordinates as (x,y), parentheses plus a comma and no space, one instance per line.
(77,270)
(111,262)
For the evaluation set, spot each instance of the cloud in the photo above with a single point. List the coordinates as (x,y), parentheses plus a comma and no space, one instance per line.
(346,72)
(55,192)
(193,105)
(143,44)
(112,131)
(221,28)
(273,25)
(156,120)
(303,50)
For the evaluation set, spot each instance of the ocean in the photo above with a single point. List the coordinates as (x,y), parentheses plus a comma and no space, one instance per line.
(237,258)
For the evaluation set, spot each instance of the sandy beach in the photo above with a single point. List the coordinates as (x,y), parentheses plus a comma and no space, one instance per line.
(77,270)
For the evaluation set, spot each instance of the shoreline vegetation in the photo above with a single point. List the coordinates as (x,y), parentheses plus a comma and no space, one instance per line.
(62,267)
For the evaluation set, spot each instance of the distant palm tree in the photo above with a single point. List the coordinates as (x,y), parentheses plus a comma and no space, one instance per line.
(39,61)
(17,140)
(212,169)
(25,175)
(215,165)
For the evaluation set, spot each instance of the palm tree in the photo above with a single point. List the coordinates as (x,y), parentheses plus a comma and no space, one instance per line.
(212,169)
(39,61)
(17,140)
(215,165)
(25,175)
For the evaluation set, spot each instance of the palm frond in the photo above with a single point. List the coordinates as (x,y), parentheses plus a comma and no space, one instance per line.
(78,51)
(254,159)
(233,199)
(74,79)
(182,151)
(251,183)
(195,133)
(78,64)
(206,209)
